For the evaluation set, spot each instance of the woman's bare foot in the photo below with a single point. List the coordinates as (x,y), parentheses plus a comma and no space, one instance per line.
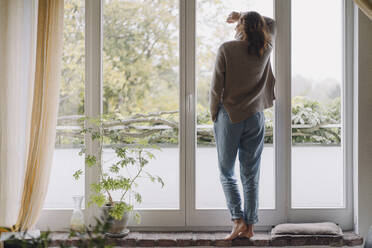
(248,233)
(239,227)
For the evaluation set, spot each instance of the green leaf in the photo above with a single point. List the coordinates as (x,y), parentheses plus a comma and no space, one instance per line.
(119,208)
(115,168)
(152,178)
(150,155)
(138,197)
(137,217)
(96,135)
(98,199)
(160,181)
(121,152)
(82,151)
(84,131)
(96,187)
(77,174)
(90,160)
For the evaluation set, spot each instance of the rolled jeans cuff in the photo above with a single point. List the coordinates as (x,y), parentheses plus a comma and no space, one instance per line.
(236,217)
(251,221)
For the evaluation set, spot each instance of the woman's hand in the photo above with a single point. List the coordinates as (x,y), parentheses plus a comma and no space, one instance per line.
(233,17)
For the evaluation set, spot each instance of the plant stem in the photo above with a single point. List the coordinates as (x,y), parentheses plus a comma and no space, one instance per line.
(100,165)
(131,182)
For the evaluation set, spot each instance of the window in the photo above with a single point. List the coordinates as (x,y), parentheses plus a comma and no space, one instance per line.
(141,77)
(317,152)
(211,31)
(155,58)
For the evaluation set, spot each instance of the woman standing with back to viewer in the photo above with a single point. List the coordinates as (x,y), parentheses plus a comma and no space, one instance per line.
(242,87)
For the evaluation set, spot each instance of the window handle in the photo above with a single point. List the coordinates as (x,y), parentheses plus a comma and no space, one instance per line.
(189,102)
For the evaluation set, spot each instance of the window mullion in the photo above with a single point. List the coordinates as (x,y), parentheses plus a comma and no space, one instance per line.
(93,88)
(182,108)
(348,104)
(189,46)
(283,106)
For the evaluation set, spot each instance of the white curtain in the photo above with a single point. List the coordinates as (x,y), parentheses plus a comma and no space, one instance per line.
(30,73)
(18,21)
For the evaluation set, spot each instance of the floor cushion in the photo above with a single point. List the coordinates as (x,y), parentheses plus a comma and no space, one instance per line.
(319,228)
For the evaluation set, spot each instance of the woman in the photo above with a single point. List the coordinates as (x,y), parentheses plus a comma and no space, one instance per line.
(242,87)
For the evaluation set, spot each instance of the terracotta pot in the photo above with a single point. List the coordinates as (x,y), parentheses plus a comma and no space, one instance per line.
(118,228)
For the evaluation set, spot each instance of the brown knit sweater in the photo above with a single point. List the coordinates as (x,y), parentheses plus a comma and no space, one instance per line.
(243,82)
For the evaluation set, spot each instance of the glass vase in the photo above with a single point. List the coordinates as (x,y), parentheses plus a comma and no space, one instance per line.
(77,218)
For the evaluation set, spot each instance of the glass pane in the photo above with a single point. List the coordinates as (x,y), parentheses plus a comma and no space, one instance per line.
(66,159)
(211,31)
(141,88)
(317,154)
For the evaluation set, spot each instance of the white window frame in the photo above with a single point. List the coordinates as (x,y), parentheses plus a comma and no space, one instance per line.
(187,217)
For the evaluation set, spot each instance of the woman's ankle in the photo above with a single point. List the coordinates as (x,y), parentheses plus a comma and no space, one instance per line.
(240,220)
(250,227)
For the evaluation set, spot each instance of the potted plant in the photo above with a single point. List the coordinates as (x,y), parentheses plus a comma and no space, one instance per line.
(130,154)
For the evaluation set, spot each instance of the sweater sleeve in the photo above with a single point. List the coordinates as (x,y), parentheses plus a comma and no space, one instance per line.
(218,82)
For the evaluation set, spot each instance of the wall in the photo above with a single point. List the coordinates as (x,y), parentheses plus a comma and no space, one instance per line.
(364,123)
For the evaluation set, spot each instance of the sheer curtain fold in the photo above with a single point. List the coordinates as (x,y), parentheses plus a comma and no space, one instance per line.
(30,74)
(365,6)
(18,20)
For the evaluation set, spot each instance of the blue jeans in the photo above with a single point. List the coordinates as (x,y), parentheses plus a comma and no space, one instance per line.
(247,137)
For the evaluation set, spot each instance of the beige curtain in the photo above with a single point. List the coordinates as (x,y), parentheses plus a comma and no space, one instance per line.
(365,6)
(39,112)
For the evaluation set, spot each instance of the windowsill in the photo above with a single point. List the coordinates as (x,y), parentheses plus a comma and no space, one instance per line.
(263,239)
